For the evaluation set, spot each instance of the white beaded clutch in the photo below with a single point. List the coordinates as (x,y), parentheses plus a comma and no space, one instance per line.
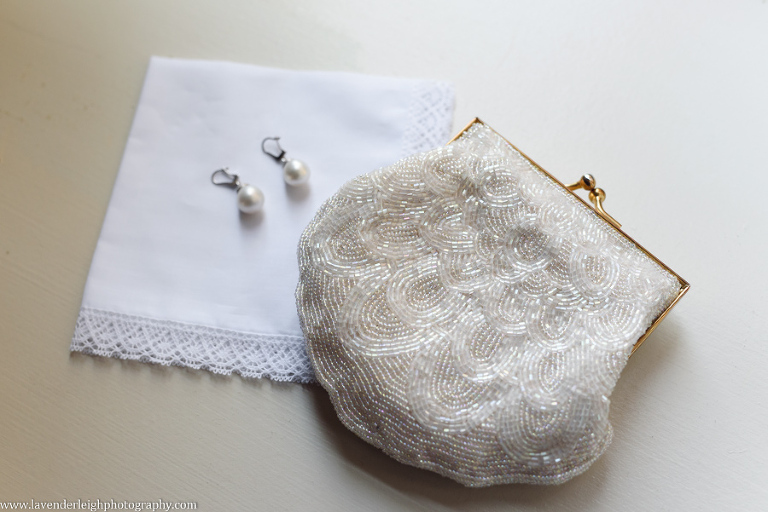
(469,314)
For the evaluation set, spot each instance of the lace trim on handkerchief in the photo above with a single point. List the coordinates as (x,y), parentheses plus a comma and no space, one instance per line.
(110,334)
(431,113)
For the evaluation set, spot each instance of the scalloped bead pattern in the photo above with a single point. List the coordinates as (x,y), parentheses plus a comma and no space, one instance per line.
(469,316)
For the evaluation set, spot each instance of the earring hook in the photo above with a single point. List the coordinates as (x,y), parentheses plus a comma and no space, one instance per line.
(280,157)
(233,180)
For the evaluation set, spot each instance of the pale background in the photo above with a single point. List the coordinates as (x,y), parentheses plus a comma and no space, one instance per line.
(666,103)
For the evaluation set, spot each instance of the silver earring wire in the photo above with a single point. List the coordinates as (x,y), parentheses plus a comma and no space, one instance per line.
(278,155)
(231,180)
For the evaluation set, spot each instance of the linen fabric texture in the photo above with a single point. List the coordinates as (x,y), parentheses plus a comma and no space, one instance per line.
(179,276)
(470,316)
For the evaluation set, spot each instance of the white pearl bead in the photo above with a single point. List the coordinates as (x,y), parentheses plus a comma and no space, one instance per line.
(249,199)
(295,172)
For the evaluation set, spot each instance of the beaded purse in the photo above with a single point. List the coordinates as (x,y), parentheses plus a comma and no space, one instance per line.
(469,314)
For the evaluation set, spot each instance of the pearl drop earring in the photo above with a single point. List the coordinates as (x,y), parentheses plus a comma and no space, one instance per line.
(295,172)
(250,199)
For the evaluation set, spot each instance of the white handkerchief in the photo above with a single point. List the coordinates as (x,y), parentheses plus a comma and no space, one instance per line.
(179,276)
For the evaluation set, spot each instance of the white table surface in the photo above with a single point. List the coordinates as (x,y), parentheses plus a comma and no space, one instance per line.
(666,103)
